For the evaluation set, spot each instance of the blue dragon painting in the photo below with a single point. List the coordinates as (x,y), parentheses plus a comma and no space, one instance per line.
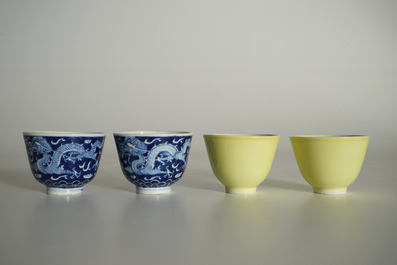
(153,161)
(54,159)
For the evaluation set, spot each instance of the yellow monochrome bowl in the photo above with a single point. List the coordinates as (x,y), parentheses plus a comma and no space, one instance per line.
(241,161)
(329,163)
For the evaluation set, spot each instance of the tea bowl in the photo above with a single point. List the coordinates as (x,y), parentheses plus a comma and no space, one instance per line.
(153,160)
(64,161)
(241,161)
(330,163)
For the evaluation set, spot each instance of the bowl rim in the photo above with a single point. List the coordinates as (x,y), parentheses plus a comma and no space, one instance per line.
(64,133)
(242,135)
(329,136)
(153,133)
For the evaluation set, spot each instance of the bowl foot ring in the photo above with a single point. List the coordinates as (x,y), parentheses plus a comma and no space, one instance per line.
(153,191)
(63,192)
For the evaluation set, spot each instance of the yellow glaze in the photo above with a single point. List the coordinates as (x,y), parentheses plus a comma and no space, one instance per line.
(241,162)
(329,163)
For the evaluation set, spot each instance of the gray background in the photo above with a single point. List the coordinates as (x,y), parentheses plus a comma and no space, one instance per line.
(284,67)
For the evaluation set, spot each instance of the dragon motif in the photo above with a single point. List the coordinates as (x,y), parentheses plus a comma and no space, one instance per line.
(51,160)
(162,153)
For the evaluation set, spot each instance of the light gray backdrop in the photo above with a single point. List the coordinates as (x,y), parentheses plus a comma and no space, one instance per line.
(285,67)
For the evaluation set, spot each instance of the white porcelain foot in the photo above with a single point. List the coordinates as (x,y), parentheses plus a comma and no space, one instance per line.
(330,191)
(240,190)
(153,191)
(62,192)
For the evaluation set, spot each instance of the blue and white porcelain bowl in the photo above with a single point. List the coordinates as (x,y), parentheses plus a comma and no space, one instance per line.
(64,161)
(153,160)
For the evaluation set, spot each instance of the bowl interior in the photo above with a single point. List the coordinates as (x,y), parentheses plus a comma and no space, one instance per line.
(330,136)
(153,133)
(241,135)
(63,133)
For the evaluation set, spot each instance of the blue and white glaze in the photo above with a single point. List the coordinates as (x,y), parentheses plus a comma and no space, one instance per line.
(64,162)
(155,161)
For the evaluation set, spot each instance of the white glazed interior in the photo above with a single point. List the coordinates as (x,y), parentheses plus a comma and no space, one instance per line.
(64,133)
(153,133)
(330,136)
(242,135)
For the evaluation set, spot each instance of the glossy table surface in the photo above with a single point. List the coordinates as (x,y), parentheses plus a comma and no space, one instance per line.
(198,223)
